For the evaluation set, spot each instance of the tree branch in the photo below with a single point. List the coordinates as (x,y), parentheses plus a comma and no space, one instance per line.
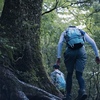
(52,8)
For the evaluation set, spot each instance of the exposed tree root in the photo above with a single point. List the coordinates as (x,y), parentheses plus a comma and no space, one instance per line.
(11,88)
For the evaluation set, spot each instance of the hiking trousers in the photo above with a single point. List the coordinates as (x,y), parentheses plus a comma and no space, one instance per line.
(75,59)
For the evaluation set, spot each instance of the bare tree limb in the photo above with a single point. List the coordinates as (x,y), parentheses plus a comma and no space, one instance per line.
(63,5)
(52,8)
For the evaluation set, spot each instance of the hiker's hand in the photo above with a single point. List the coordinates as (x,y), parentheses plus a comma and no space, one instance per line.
(58,61)
(97,60)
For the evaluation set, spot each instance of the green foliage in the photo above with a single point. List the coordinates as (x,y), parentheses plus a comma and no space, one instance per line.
(51,29)
(53,24)
(1,5)
(93,22)
(86,16)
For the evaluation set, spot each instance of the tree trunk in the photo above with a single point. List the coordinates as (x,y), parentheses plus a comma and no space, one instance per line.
(20,50)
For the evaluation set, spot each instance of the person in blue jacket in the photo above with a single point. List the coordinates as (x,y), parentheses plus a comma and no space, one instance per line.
(75,57)
(58,79)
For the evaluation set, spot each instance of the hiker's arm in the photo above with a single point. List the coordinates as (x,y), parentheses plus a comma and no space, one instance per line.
(94,46)
(59,47)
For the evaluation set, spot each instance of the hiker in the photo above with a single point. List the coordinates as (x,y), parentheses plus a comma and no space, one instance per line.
(58,79)
(75,57)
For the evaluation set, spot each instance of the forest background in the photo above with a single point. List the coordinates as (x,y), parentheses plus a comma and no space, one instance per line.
(86,16)
(56,16)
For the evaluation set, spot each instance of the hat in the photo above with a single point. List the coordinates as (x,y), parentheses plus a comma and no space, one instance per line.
(72,26)
(56,66)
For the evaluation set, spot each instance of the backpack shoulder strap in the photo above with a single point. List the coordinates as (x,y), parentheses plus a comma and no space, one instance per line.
(55,77)
(82,32)
(58,73)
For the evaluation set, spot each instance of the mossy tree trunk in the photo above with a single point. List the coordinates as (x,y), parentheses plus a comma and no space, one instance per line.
(20,42)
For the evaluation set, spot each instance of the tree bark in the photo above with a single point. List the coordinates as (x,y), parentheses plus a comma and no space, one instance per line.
(20,50)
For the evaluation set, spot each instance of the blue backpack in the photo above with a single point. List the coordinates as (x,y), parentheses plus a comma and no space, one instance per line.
(60,81)
(74,38)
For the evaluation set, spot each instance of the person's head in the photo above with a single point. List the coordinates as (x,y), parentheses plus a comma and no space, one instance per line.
(56,66)
(72,26)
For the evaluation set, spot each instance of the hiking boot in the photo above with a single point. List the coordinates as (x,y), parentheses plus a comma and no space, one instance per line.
(82,95)
(68,97)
